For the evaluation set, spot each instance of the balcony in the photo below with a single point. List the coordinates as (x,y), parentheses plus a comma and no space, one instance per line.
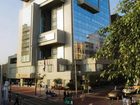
(51,65)
(51,3)
(52,61)
(88,6)
(52,37)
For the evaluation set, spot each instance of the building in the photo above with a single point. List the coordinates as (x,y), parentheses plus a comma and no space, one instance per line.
(3,70)
(54,34)
(12,73)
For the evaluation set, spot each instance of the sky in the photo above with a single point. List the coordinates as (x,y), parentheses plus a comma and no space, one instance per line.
(9,21)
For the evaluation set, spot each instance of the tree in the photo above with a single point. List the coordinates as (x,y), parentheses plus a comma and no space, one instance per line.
(122,45)
(71,85)
(58,82)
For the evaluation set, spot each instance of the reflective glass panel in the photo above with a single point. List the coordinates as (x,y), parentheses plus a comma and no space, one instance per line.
(93,2)
(86,23)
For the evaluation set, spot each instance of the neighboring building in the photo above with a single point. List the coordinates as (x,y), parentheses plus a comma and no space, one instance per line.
(55,33)
(4,72)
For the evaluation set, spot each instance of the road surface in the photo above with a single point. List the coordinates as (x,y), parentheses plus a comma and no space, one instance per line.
(28,98)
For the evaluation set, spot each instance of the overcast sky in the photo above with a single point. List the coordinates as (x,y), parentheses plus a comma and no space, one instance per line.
(9,14)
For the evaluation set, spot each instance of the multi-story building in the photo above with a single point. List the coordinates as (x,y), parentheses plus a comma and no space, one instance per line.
(3,72)
(55,33)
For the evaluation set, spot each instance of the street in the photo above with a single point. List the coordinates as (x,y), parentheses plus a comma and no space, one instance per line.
(30,100)
(27,97)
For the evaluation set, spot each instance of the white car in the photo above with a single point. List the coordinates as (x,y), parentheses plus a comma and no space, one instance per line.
(129,90)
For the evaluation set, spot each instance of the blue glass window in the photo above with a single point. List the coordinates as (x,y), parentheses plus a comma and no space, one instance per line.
(85,22)
(93,2)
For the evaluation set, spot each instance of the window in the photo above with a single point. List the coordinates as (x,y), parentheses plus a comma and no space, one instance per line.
(25,58)
(87,67)
(54,52)
(93,2)
(26,23)
(60,18)
(45,20)
(49,67)
(86,23)
(62,67)
(13,60)
(60,52)
(48,82)
(53,19)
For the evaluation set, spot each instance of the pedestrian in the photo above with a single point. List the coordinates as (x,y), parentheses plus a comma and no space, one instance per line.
(68,94)
(64,95)
(47,94)
(5,93)
(16,100)
(124,101)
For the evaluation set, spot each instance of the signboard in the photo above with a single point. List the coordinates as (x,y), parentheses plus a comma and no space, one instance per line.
(22,75)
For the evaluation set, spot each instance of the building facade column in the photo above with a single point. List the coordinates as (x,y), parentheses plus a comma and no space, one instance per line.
(21,82)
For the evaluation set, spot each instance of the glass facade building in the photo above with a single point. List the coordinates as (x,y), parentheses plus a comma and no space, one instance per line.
(86,23)
(93,2)
(56,33)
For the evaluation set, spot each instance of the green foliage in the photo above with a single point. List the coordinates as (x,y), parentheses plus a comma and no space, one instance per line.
(71,85)
(122,45)
(57,81)
(126,6)
(93,78)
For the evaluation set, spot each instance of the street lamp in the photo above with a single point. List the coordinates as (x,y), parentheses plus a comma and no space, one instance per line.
(75,70)
(35,84)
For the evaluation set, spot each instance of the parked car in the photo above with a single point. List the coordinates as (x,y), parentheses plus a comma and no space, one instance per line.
(115,94)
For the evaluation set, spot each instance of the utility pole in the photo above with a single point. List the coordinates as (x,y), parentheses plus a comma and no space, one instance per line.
(75,77)
(35,65)
(35,85)
(36,75)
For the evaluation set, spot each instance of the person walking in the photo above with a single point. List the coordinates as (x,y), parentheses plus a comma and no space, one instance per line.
(5,93)
(64,95)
